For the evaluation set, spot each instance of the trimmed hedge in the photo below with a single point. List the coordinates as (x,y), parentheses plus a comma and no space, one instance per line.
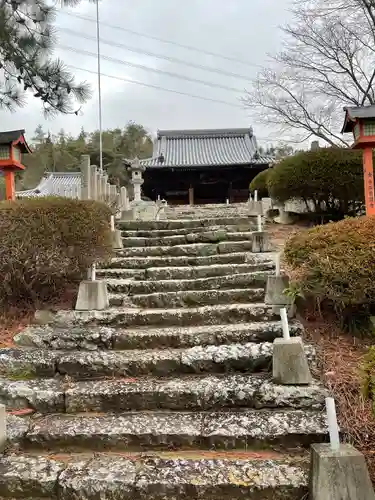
(335,264)
(259,183)
(332,178)
(47,243)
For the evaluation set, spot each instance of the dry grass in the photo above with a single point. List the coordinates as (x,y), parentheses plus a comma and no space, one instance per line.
(340,356)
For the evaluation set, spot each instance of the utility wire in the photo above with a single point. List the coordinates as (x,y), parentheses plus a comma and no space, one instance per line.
(153,70)
(158,56)
(157,87)
(163,40)
(99,88)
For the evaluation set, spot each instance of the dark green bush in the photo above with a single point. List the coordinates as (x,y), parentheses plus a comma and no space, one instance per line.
(47,243)
(335,264)
(331,178)
(259,183)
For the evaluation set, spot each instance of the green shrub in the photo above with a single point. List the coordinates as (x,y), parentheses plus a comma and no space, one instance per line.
(332,178)
(47,243)
(334,264)
(259,183)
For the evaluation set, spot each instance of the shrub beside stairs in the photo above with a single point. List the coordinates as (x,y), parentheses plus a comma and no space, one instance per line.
(167,394)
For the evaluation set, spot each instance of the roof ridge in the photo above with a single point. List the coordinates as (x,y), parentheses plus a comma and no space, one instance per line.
(219,132)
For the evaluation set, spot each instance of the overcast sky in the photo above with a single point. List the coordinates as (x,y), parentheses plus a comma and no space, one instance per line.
(240,29)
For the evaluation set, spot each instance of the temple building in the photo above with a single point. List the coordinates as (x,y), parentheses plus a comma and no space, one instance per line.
(203,166)
(66,184)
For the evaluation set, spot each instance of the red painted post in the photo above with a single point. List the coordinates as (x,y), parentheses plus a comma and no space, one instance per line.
(368,177)
(10,192)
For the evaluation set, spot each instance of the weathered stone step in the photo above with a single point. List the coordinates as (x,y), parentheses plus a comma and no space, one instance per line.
(187,273)
(196,298)
(256,279)
(171,430)
(184,393)
(133,317)
(153,478)
(194,249)
(167,261)
(160,233)
(27,363)
(138,225)
(95,337)
(190,238)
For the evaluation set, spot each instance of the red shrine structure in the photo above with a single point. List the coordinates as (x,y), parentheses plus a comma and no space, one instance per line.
(360,121)
(12,146)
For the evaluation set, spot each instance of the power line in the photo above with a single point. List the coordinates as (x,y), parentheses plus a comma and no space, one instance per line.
(153,70)
(158,56)
(163,40)
(157,87)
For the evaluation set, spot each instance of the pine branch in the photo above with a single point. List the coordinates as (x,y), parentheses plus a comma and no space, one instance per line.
(27,39)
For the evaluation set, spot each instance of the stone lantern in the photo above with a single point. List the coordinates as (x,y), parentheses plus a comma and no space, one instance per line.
(360,121)
(12,146)
(137,170)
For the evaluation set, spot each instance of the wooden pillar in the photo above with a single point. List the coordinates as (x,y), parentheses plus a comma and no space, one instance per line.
(191,195)
(10,191)
(368,177)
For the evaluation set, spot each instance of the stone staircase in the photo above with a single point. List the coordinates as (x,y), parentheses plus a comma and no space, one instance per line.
(207,211)
(167,394)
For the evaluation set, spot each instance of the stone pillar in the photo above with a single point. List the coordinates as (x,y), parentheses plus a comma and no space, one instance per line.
(93,183)
(191,195)
(98,185)
(108,193)
(124,199)
(85,177)
(103,181)
(113,196)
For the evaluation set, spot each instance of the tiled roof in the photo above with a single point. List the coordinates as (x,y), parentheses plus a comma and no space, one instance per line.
(55,184)
(201,148)
(354,112)
(13,135)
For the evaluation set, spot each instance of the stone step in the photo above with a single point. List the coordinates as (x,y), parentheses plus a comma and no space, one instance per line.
(138,225)
(28,363)
(161,477)
(168,261)
(184,393)
(190,250)
(160,233)
(196,298)
(256,279)
(190,238)
(94,338)
(185,272)
(286,429)
(133,317)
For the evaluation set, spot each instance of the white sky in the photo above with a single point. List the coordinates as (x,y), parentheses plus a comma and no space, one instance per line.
(242,29)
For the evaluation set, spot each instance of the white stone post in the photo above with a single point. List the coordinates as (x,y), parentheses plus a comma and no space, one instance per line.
(108,193)
(85,177)
(93,183)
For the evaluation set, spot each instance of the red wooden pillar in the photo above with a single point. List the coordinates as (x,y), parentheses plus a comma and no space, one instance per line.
(10,191)
(368,177)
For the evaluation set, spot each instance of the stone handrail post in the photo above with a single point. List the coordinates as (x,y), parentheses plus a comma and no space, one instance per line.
(85,177)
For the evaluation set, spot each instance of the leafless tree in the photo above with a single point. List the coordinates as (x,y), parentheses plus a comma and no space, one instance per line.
(327,61)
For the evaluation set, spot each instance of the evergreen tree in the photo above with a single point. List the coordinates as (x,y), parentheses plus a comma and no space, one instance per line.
(26,41)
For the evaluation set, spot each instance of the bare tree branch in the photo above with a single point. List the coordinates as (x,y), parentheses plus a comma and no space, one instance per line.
(327,61)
